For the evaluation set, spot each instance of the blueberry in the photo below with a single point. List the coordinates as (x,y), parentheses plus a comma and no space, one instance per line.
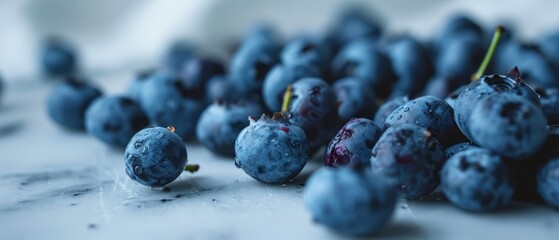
(177,54)
(428,112)
(307,51)
(251,63)
(350,201)
(508,124)
(477,180)
(548,182)
(460,57)
(135,87)
(456,148)
(354,23)
(355,99)
(549,46)
(410,157)
(412,65)
(68,101)
(485,86)
(58,57)
(457,25)
(363,60)
(313,108)
(167,102)
(220,87)
(387,108)
(197,71)
(155,157)
(271,150)
(220,124)
(353,143)
(279,78)
(114,120)
(549,98)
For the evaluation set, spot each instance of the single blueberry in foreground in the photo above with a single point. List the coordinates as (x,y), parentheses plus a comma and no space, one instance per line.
(155,157)
(349,200)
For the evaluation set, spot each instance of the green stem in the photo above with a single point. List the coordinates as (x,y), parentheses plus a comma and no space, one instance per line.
(286,99)
(496,38)
(192,168)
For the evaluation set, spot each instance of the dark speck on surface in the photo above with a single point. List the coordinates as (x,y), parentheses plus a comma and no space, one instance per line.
(166,200)
(92,226)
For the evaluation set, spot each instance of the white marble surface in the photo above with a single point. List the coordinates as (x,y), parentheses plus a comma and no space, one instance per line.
(56,184)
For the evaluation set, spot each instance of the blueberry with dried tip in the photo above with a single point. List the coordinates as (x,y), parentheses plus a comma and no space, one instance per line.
(313,108)
(431,113)
(167,102)
(549,98)
(355,99)
(410,157)
(387,108)
(279,78)
(271,150)
(58,57)
(353,143)
(349,200)
(68,101)
(155,157)
(114,120)
(485,86)
(548,183)
(509,125)
(477,180)
(220,124)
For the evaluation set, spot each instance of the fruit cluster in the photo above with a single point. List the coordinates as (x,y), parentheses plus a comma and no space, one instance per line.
(395,115)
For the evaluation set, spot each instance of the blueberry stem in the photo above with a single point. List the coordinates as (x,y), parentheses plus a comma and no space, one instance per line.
(286,99)
(192,168)
(494,43)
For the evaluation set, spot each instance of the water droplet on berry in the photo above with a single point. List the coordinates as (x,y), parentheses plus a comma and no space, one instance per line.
(407,109)
(399,117)
(137,170)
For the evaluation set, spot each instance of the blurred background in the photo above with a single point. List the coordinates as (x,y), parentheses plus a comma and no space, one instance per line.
(116,34)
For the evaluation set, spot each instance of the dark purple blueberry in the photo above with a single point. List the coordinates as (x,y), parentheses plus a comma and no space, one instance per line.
(549,98)
(114,120)
(548,183)
(410,157)
(431,113)
(313,108)
(477,180)
(167,102)
(363,60)
(68,101)
(271,150)
(355,99)
(279,78)
(155,157)
(350,200)
(485,86)
(220,124)
(509,125)
(58,57)
(353,143)
(387,108)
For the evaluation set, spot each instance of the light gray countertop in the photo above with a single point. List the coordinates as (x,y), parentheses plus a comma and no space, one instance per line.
(56,184)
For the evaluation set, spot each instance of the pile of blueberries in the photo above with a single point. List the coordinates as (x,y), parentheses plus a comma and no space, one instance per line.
(392,116)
